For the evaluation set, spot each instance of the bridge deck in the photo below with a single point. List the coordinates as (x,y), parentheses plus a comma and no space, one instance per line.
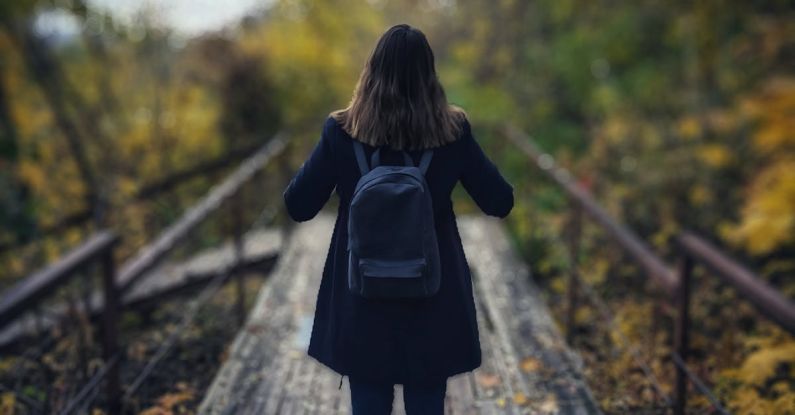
(527,367)
(261,247)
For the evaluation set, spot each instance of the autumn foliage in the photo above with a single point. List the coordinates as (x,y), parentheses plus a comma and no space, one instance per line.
(675,115)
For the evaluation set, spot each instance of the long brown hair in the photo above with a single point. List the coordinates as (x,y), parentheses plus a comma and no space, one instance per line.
(398,100)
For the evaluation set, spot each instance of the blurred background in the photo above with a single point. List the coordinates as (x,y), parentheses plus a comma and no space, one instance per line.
(675,115)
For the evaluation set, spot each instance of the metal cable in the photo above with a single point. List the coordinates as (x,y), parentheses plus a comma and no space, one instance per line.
(22,398)
(187,318)
(608,316)
(91,385)
(699,383)
(604,310)
(636,355)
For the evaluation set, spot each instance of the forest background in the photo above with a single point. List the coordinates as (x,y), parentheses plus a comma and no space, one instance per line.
(674,114)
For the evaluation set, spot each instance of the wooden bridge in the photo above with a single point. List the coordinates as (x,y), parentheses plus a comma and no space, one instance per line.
(527,365)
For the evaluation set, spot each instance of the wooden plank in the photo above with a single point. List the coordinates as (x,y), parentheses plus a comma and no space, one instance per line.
(344,398)
(297,394)
(257,384)
(260,246)
(325,390)
(526,366)
(460,399)
(488,380)
(536,357)
(312,387)
(397,404)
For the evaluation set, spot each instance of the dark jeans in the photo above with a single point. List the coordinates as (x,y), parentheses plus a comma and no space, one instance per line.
(369,398)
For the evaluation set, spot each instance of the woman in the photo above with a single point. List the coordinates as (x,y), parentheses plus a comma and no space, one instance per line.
(398,104)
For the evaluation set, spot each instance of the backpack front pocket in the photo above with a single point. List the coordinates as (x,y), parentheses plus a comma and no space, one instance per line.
(391,268)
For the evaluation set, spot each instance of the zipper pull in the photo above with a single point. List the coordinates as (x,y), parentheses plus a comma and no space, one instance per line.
(340,387)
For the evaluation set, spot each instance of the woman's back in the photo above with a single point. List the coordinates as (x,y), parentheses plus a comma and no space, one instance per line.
(397,341)
(398,104)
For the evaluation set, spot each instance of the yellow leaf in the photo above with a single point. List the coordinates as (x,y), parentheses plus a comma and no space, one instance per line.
(689,128)
(762,364)
(530,364)
(768,216)
(700,195)
(520,399)
(715,155)
(7,402)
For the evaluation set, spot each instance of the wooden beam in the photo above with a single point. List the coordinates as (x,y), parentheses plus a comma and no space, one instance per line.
(769,301)
(628,240)
(35,287)
(152,254)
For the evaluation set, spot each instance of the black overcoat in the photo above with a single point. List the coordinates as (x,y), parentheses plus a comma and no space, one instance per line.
(397,341)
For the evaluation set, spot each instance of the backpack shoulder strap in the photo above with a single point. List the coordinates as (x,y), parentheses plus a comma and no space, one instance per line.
(425,161)
(407,158)
(375,158)
(361,159)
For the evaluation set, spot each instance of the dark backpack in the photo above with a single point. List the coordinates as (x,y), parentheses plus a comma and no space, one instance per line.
(392,247)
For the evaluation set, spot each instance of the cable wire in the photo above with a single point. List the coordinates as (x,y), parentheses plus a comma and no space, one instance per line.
(187,318)
(609,317)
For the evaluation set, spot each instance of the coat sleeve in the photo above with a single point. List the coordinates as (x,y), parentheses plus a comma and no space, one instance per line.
(481,179)
(312,185)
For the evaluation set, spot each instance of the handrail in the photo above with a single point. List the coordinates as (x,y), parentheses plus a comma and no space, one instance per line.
(147,190)
(767,300)
(677,285)
(31,290)
(639,251)
(148,257)
(35,287)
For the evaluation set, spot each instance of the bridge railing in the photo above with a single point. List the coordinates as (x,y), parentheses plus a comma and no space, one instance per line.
(33,290)
(767,300)
(676,284)
(39,286)
(145,192)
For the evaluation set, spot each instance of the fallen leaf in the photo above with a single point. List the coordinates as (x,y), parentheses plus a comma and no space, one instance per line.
(7,402)
(501,402)
(549,405)
(488,380)
(520,399)
(530,364)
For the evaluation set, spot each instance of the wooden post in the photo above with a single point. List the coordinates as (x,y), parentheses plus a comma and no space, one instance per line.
(682,334)
(575,223)
(110,332)
(240,282)
(78,330)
